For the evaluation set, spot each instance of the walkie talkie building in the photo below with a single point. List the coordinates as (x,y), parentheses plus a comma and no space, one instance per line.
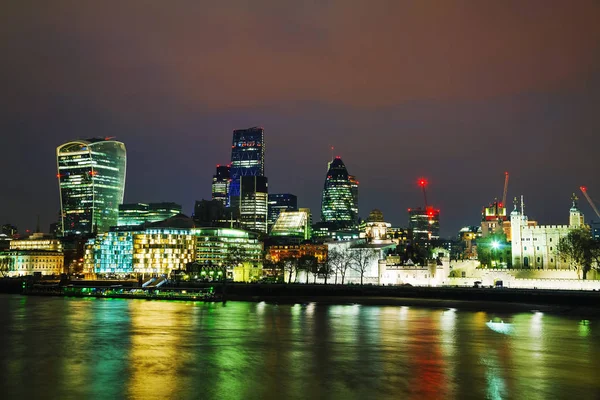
(91,179)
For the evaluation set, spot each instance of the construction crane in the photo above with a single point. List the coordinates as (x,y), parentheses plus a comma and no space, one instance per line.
(589,199)
(423,183)
(505,190)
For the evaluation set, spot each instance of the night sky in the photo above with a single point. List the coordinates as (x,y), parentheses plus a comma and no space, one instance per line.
(455,91)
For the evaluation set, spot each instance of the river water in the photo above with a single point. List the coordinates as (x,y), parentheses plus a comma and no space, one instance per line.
(65,348)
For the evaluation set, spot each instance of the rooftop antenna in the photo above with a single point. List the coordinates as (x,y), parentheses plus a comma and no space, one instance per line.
(331,153)
(37,226)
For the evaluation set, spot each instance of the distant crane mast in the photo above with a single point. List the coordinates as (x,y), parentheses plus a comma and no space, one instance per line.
(423,183)
(505,189)
(589,199)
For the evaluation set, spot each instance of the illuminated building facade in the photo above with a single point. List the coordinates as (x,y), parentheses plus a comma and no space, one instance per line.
(220,184)
(91,178)
(279,202)
(140,213)
(281,252)
(424,224)
(376,228)
(215,245)
(110,253)
(37,241)
(162,250)
(254,203)
(338,202)
(293,224)
(535,247)
(247,159)
(29,262)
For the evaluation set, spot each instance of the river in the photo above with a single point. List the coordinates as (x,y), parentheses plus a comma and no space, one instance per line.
(66,348)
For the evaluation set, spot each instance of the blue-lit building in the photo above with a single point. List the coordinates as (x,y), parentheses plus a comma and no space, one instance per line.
(279,202)
(247,159)
(91,179)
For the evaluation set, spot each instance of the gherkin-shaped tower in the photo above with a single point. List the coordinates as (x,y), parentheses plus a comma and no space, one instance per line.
(338,200)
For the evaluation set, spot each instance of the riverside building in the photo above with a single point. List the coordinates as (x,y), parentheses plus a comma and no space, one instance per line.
(91,179)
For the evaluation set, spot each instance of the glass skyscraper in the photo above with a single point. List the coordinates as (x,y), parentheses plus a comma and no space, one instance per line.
(139,213)
(338,201)
(91,179)
(424,225)
(279,202)
(247,159)
(220,184)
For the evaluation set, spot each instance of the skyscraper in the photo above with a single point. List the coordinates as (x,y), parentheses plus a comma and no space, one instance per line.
(220,184)
(338,202)
(91,179)
(253,203)
(424,224)
(279,202)
(247,159)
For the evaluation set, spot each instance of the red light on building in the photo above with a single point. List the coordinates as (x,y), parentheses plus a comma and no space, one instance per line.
(422,182)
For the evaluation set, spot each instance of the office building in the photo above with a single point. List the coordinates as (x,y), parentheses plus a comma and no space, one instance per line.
(424,225)
(247,159)
(293,224)
(220,184)
(91,178)
(279,202)
(253,203)
(140,213)
(37,241)
(338,201)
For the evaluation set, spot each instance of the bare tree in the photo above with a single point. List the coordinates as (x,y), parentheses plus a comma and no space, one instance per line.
(291,266)
(340,261)
(361,259)
(310,265)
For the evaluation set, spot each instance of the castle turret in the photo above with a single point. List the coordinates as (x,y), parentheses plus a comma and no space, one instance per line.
(575,215)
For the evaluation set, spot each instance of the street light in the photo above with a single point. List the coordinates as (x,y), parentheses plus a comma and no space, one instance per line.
(495,246)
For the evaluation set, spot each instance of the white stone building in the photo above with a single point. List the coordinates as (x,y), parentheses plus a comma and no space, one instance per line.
(535,247)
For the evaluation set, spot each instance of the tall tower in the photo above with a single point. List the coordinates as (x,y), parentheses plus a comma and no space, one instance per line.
(91,179)
(337,201)
(247,159)
(220,184)
(575,215)
(517,221)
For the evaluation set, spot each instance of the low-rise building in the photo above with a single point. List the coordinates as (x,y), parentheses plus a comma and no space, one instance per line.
(37,241)
(30,262)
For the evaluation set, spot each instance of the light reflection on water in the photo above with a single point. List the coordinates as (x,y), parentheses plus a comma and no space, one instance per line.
(99,348)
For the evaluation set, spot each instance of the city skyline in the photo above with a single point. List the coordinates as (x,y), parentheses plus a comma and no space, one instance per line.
(436,93)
